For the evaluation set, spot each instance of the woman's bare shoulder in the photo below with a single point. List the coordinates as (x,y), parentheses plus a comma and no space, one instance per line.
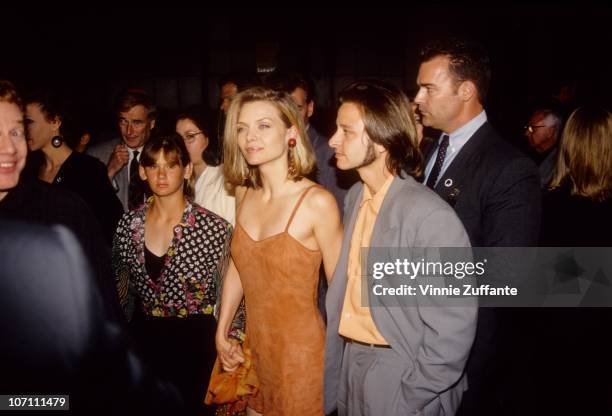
(320,201)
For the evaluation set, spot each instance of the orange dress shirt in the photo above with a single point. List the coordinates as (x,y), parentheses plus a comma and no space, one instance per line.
(356,320)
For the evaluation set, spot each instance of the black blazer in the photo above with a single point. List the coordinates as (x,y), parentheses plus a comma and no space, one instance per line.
(38,202)
(85,176)
(495,191)
(583,385)
(575,221)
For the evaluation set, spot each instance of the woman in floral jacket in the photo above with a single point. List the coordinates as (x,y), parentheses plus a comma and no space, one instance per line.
(169,256)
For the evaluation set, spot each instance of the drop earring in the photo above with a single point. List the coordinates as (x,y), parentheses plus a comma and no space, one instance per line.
(57,141)
(292,169)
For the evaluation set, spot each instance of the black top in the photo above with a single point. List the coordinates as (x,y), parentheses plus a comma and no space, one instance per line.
(37,202)
(154,264)
(571,359)
(575,221)
(86,176)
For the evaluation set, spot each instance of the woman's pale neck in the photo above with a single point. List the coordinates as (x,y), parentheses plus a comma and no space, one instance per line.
(168,207)
(274,180)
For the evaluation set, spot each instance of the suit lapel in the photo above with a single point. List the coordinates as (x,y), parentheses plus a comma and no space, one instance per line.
(383,219)
(338,284)
(451,183)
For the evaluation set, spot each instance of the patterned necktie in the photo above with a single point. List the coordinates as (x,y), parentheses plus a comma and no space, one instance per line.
(135,188)
(437,167)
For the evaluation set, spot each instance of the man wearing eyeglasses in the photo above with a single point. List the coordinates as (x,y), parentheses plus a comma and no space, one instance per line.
(543,133)
(136,119)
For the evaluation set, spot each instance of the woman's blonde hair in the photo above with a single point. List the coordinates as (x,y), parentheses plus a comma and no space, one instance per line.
(236,169)
(585,154)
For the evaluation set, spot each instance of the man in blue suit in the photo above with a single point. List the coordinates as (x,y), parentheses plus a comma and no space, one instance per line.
(494,189)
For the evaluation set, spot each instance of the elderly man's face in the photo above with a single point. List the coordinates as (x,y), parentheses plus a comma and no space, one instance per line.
(135,126)
(541,133)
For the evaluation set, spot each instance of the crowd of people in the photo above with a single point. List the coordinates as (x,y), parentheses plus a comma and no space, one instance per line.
(203,240)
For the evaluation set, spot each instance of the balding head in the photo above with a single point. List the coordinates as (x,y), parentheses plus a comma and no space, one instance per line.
(543,129)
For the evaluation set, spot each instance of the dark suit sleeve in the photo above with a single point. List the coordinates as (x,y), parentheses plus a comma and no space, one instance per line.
(57,339)
(99,194)
(70,210)
(511,215)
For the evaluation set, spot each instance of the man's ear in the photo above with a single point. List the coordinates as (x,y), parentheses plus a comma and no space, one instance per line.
(152,124)
(310,109)
(379,147)
(467,90)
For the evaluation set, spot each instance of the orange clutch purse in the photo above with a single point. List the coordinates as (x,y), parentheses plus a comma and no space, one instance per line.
(236,387)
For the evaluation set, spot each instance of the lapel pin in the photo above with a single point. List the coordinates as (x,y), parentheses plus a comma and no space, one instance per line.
(448,182)
(452,197)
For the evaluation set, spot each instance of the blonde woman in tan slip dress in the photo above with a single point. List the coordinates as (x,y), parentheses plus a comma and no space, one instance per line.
(285,226)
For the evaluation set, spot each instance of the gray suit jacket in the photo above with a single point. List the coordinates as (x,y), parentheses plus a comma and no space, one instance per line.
(434,341)
(121,180)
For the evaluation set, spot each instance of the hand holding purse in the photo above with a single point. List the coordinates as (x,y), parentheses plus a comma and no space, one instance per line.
(234,387)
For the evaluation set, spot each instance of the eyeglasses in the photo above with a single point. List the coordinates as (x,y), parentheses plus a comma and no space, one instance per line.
(531,128)
(190,136)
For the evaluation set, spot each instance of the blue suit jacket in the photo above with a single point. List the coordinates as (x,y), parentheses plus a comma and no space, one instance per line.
(495,191)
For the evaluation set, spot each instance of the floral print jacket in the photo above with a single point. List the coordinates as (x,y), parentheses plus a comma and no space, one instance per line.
(195,263)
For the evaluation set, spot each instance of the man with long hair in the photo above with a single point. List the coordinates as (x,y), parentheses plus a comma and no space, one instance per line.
(382,359)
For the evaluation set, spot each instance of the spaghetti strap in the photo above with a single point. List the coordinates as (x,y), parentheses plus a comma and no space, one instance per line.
(297,205)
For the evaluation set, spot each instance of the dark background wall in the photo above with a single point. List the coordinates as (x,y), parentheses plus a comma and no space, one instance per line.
(178,55)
